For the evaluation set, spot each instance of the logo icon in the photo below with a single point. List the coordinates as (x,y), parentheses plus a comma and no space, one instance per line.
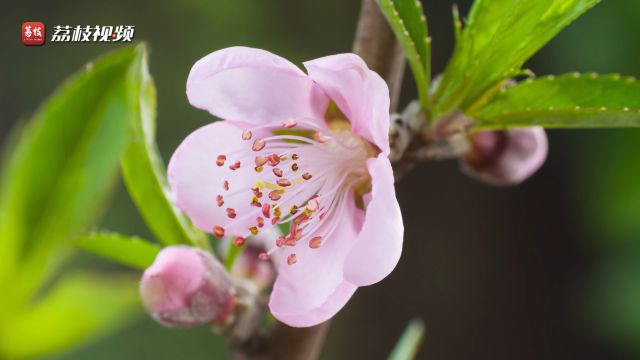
(33,33)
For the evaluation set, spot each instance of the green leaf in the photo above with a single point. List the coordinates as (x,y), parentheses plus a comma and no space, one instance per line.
(499,37)
(568,101)
(143,169)
(130,251)
(409,24)
(409,343)
(60,174)
(80,308)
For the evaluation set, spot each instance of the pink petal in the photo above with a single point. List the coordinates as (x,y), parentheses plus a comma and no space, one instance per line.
(313,290)
(360,93)
(379,244)
(254,86)
(196,180)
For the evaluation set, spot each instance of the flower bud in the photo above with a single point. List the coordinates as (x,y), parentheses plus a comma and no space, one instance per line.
(506,157)
(185,287)
(248,264)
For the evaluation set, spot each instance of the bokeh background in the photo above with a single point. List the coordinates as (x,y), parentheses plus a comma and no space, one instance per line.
(547,270)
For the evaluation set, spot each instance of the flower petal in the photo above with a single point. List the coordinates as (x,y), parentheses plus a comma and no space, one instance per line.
(379,244)
(196,180)
(313,290)
(254,86)
(360,93)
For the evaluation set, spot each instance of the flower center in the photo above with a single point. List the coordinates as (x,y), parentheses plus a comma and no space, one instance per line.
(302,177)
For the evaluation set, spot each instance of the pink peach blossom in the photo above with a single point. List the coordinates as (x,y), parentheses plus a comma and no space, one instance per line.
(279,158)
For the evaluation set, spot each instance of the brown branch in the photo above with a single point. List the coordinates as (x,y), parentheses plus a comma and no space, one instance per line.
(377,45)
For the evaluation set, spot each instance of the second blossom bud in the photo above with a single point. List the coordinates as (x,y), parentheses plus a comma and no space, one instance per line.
(506,157)
(187,287)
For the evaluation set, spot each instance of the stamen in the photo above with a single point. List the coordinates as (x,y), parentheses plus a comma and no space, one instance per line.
(235,166)
(258,145)
(292,259)
(266,210)
(218,231)
(220,160)
(313,205)
(246,135)
(238,241)
(290,123)
(315,242)
(274,159)
(275,195)
(260,160)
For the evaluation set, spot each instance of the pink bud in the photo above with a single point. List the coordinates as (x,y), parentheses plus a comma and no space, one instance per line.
(249,265)
(506,157)
(186,286)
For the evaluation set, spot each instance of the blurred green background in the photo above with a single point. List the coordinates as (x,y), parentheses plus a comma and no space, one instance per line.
(550,269)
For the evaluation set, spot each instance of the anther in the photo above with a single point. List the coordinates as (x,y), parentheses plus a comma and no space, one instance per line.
(276,211)
(273,159)
(258,145)
(253,229)
(275,220)
(218,231)
(306,176)
(266,210)
(225,185)
(258,169)
(260,221)
(277,172)
(275,195)
(260,160)
(255,202)
(293,210)
(220,160)
(292,259)
(220,200)
(295,157)
(294,167)
(283,182)
(315,242)
(289,123)
(246,135)
(238,241)
(312,205)
(235,166)
(231,213)
(263,256)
